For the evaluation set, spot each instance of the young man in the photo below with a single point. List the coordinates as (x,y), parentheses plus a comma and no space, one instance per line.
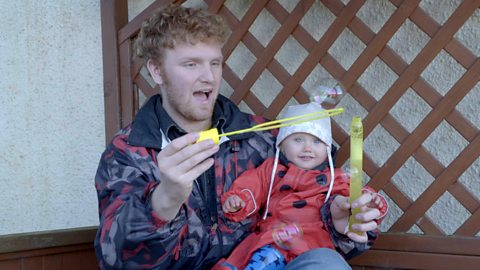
(158,189)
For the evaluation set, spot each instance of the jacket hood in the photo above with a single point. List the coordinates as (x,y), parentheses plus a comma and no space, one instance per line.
(320,128)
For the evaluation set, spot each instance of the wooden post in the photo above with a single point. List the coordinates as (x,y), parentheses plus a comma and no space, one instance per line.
(114,14)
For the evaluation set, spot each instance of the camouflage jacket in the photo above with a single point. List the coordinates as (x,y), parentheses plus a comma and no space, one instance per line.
(130,235)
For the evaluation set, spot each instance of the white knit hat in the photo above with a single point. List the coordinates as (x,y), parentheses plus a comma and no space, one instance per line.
(320,128)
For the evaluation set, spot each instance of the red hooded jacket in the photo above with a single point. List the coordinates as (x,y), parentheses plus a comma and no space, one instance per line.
(297,197)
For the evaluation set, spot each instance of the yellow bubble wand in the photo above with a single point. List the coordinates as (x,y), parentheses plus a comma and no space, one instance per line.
(213,133)
(356,158)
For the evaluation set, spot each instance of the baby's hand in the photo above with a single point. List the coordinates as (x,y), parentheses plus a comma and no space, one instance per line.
(233,204)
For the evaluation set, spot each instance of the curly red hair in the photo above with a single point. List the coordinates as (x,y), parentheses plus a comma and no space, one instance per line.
(176,25)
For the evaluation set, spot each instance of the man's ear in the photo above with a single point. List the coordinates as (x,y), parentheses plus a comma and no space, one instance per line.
(154,70)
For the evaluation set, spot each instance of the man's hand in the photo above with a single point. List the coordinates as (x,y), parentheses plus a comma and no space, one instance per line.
(232,204)
(368,202)
(179,164)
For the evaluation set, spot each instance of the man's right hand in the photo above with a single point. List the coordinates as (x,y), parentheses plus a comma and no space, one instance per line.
(180,163)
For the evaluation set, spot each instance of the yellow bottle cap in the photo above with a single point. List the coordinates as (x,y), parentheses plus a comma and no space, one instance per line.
(209,134)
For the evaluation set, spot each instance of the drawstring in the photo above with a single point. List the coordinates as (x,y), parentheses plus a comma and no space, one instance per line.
(332,174)
(272,178)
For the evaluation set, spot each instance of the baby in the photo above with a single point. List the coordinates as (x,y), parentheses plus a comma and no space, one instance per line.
(295,190)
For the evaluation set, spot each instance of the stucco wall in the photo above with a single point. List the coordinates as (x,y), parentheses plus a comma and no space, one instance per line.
(51,114)
(52,118)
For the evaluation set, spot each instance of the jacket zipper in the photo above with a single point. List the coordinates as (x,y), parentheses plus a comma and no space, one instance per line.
(211,198)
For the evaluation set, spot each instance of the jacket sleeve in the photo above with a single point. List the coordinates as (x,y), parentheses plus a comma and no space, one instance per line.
(343,244)
(130,234)
(252,187)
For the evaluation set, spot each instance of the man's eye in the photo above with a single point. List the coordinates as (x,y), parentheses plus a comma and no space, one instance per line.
(216,64)
(190,64)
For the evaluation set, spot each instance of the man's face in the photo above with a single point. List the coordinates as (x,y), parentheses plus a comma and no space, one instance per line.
(190,78)
(304,150)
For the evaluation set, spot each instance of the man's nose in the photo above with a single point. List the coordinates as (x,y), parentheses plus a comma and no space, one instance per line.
(207,74)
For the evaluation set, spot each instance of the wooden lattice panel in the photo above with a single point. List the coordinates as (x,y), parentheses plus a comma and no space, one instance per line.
(397,149)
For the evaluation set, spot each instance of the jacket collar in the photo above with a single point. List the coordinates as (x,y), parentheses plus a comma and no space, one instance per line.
(152,124)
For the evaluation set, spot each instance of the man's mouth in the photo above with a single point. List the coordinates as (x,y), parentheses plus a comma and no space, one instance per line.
(202,95)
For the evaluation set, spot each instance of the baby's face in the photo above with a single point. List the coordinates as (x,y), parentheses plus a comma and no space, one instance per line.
(304,150)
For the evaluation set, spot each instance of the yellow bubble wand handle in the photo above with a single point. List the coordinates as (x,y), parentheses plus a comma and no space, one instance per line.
(356,158)
(213,133)
(209,134)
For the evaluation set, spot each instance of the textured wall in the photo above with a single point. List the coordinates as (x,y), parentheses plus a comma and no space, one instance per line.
(51,114)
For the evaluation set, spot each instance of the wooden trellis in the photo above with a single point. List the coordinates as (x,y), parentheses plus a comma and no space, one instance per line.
(126,86)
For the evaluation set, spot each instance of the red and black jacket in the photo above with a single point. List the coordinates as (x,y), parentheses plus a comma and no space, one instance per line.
(131,236)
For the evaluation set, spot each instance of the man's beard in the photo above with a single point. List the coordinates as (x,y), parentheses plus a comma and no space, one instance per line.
(180,109)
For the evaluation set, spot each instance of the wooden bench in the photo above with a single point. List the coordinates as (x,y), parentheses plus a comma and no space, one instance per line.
(73,249)
(70,249)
